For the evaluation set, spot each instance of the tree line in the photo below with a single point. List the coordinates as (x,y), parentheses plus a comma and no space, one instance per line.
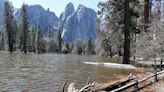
(130,28)
(16,35)
(19,35)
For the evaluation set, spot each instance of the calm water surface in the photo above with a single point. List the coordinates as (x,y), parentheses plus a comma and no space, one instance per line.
(47,72)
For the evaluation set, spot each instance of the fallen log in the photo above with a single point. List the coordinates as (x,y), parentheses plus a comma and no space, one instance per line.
(133,83)
(86,87)
(94,87)
(109,86)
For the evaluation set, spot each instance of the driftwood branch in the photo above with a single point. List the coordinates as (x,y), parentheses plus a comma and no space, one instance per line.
(116,86)
(110,86)
(63,87)
(71,88)
(94,87)
(88,81)
(87,86)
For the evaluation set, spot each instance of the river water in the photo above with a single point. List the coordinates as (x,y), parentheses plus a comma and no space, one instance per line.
(47,72)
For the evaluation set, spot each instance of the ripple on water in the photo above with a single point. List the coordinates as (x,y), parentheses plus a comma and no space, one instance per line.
(47,72)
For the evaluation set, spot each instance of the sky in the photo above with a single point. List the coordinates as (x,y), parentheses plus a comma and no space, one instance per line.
(57,6)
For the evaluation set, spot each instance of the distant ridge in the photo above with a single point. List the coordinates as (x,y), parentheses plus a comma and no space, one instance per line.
(79,24)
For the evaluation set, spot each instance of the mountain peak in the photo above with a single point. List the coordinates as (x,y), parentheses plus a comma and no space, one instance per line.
(81,6)
(80,25)
(37,6)
(69,9)
(69,6)
(38,16)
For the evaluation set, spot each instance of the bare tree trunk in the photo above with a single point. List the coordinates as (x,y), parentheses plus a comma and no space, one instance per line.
(119,52)
(147,7)
(135,40)
(126,57)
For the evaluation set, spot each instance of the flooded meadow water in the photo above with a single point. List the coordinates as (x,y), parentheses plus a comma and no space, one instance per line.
(47,72)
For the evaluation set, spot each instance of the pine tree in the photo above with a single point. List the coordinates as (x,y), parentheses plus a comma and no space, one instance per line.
(8,24)
(146,13)
(118,29)
(36,40)
(59,41)
(126,57)
(89,47)
(15,31)
(39,43)
(50,33)
(2,40)
(24,29)
(33,39)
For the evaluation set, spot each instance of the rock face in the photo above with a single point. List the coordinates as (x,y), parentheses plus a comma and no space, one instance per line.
(38,16)
(68,11)
(75,25)
(80,25)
